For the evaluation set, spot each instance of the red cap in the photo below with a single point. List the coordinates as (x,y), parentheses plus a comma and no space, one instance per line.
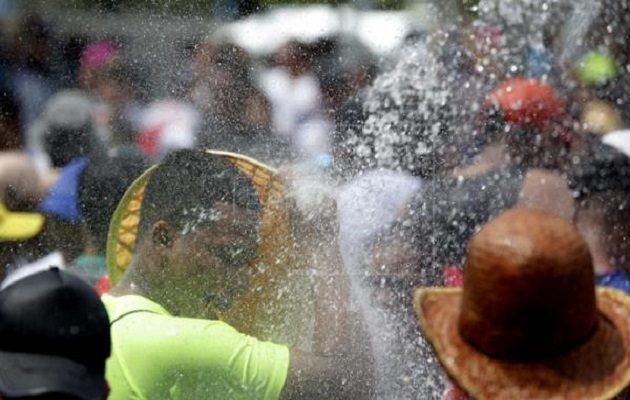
(525,101)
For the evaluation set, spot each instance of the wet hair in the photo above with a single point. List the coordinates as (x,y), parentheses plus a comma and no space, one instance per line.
(65,144)
(9,106)
(604,169)
(103,183)
(187,184)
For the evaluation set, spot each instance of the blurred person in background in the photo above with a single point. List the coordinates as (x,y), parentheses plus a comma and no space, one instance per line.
(236,114)
(100,186)
(22,185)
(54,334)
(26,235)
(527,143)
(168,125)
(344,68)
(32,76)
(601,183)
(295,96)
(11,137)
(599,94)
(104,74)
(520,164)
(22,239)
(65,130)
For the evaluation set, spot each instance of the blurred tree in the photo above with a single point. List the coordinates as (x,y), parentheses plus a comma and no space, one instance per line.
(207,7)
(468,8)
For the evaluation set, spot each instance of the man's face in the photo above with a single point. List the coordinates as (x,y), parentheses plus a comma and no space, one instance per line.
(214,253)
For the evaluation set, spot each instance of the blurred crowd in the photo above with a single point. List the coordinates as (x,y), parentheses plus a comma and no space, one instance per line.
(425,160)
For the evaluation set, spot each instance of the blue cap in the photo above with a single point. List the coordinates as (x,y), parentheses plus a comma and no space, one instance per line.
(62,199)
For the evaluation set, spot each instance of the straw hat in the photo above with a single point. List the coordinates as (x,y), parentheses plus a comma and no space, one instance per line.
(124,225)
(275,251)
(529,323)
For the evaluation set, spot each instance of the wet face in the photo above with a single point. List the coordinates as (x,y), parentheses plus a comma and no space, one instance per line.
(211,255)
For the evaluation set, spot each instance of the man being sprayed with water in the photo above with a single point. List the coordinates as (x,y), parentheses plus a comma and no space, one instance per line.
(198,231)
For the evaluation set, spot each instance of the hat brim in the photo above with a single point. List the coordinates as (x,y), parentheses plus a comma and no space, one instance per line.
(20,226)
(30,375)
(598,369)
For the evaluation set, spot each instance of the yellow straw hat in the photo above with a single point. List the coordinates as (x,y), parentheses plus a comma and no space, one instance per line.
(274,250)
(529,322)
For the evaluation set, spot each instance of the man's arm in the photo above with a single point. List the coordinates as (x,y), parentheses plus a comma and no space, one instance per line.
(340,365)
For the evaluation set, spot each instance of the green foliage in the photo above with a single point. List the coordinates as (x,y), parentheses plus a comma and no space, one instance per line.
(171,6)
(468,8)
(206,6)
(375,4)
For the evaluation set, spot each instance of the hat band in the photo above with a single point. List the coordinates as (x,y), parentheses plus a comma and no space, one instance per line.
(531,348)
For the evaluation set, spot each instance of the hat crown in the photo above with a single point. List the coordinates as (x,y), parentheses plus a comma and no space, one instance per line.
(529,288)
(54,313)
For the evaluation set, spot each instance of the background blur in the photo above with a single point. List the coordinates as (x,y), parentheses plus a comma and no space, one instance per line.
(158,36)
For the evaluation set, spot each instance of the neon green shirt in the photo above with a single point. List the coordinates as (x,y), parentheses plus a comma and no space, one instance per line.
(158,356)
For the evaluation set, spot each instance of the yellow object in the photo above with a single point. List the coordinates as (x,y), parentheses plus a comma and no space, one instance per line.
(600,117)
(158,356)
(19,225)
(274,308)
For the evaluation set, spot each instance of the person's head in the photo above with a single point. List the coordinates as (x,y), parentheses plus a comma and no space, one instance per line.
(94,58)
(102,184)
(293,56)
(529,321)
(601,183)
(198,228)
(69,130)
(54,338)
(530,119)
(22,185)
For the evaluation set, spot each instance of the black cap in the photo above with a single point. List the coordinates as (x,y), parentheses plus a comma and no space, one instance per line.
(54,337)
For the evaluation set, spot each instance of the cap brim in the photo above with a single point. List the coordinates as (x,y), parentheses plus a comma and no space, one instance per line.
(598,369)
(20,226)
(29,375)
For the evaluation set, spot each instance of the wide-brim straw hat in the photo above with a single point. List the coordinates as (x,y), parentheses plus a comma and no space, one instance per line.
(274,250)
(593,365)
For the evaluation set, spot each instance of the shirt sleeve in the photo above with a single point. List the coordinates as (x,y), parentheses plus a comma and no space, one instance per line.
(209,359)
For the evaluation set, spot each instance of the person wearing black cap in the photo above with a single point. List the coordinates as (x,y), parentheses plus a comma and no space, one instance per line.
(601,184)
(54,338)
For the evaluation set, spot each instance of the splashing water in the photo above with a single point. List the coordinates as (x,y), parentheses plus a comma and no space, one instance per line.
(421,118)
(582,17)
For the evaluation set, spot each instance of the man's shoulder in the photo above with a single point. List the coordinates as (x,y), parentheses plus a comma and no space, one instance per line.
(138,316)
(119,306)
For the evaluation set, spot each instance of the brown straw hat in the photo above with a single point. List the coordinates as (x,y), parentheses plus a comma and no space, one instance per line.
(529,323)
